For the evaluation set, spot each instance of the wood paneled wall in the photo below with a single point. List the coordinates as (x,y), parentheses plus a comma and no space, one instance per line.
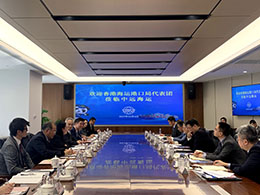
(58,108)
(193,108)
(53,101)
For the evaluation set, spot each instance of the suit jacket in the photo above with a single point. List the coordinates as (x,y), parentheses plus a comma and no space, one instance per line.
(181,138)
(175,131)
(13,159)
(201,141)
(89,130)
(69,140)
(251,167)
(75,134)
(228,151)
(58,143)
(39,148)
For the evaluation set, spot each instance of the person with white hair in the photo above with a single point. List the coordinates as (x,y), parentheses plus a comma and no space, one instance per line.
(248,141)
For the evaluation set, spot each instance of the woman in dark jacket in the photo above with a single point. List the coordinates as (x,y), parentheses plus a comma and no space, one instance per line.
(58,141)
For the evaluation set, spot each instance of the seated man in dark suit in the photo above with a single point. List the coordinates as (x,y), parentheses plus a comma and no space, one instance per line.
(68,138)
(256,126)
(77,127)
(228,150)
(182,137)
(172,122)
(248,141)
(223,119)
(40,147)
(198,138)
(90,129)
(13,157)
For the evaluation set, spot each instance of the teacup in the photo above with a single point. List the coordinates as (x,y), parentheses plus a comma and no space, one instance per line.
(47,189)
(69,171)
(55,162)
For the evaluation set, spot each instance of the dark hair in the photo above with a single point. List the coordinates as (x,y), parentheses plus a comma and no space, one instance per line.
(79,120)
(17,124)
(47,126)
(223,118)
(92,119)
(252,122)
(224,128)
(192,122)
(171,118)
(249,133)
(180,123)
(61,125)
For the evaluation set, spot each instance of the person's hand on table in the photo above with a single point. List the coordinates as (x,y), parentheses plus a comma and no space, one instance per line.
(79,142)
(84,138)
(69,152)
(6,188)
(91,136)
(86,141)
(198,153)
(170,139)
(189,134)
(220,163)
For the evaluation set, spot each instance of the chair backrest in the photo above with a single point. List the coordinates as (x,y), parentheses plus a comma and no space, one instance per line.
(215,139)
(2,141)
(26,139)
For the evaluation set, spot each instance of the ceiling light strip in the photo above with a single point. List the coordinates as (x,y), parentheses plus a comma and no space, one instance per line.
(17,43)
(128,52)
(131,17)
(247,39)
(130,39)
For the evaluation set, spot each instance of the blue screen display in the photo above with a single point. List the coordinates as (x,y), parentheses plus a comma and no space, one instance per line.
(246,100)
(132,104)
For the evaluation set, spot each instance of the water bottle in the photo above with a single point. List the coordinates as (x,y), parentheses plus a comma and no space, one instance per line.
(160,131)
(180,178)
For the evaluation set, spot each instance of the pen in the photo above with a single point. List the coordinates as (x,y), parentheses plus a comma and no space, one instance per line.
(205,173)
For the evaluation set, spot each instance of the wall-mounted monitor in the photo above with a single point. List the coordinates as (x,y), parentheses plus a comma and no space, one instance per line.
(246,100)
(130,104)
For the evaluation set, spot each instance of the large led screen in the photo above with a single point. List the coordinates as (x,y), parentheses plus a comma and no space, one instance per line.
(246,100)
(132,104)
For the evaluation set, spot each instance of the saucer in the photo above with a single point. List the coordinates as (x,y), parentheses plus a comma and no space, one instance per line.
(78,165)
(64,178)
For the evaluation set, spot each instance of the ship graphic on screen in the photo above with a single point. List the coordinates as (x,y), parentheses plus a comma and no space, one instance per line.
(81,110)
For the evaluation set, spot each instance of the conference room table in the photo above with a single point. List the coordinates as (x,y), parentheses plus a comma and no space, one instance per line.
(127,164)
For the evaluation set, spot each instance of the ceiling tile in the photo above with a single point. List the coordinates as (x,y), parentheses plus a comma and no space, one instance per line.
(129,45)
(195,50)
(237,8)
(59,46)
(126,72)
(176,28)
(133,7)
(41,28)
(219,27)
(23,8)
(75,63)
(128,57)
(127,65)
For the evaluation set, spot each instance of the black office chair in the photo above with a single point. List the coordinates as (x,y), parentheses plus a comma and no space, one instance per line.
(215,139)
(2,141)
(26,139)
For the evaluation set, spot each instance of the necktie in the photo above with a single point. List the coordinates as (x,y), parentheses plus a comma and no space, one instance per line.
(219,147)
(21,154)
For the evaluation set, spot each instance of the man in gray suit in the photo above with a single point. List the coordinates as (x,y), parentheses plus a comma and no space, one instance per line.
(13,157)
(228,149)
